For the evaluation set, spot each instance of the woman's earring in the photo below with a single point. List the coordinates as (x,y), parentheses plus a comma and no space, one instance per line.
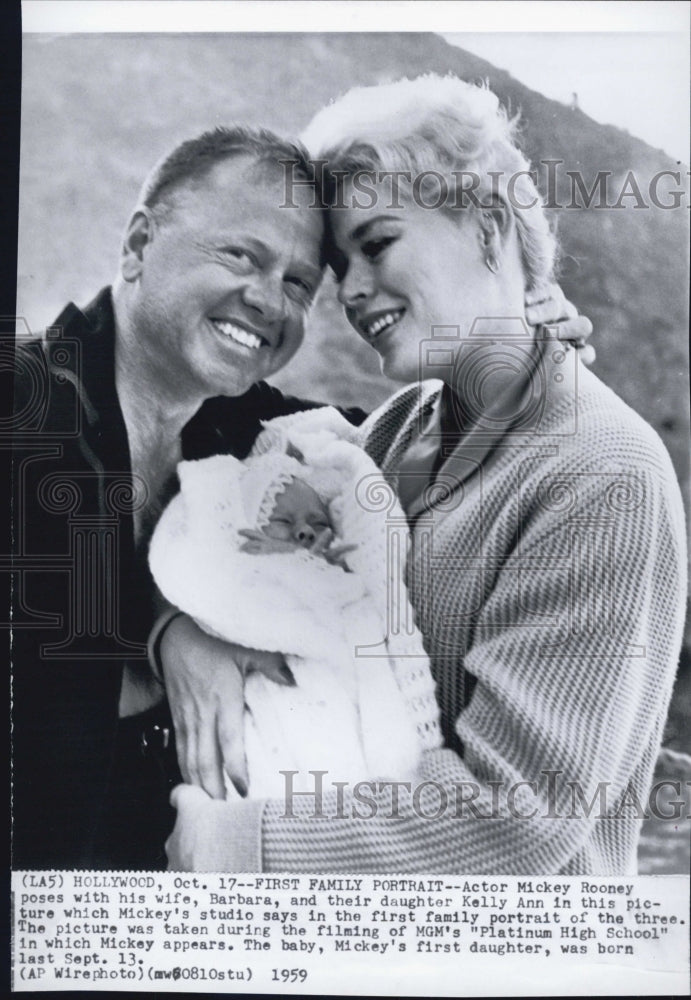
(492,264)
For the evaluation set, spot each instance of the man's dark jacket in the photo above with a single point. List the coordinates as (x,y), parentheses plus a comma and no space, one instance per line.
(81,592)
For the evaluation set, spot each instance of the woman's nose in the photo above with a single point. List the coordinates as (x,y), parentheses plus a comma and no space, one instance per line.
(305,534)
(356,284)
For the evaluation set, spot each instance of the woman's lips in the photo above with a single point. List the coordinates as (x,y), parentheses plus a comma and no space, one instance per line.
(373,326)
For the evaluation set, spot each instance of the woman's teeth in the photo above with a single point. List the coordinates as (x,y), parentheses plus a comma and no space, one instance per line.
(237,334)
(376,327)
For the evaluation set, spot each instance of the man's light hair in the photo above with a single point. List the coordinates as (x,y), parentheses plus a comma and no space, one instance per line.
(191,161)
(435,123)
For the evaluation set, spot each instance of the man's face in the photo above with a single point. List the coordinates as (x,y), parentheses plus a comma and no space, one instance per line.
(227,279)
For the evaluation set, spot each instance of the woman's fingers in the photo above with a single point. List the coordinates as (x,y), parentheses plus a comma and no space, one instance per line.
(551,310)
(542,293)
(577,329)
(587,354)
(582,328)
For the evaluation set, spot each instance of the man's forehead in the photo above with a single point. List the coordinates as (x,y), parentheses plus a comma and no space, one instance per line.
(260,181)
(243,192)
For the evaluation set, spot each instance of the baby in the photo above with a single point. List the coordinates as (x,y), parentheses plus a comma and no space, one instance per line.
(299,519)
(276,553)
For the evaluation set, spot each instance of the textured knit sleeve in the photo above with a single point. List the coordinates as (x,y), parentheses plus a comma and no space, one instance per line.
(573,649)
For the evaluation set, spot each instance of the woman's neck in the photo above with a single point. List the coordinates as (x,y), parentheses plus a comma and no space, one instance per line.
(531,376)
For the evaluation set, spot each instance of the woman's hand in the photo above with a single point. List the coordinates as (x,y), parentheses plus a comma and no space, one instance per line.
(549,306)
(204,679)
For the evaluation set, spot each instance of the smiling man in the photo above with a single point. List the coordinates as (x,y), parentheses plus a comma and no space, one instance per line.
(214,286)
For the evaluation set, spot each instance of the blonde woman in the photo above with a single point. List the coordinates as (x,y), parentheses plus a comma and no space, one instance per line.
(547,561)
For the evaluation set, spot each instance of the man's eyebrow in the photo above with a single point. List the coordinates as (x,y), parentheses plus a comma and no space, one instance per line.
(314,271)
(307,270)
(251,242)
(361,230)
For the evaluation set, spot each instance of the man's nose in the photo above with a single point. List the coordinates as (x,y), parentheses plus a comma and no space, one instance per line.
(305,534)
(264,294)
(356,285)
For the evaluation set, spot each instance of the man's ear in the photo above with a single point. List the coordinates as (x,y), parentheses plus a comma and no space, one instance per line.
(139,233)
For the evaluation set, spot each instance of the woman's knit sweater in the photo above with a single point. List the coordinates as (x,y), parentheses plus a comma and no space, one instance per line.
(548,587)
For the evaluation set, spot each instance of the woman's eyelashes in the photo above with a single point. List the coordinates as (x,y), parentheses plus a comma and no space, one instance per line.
(373,248)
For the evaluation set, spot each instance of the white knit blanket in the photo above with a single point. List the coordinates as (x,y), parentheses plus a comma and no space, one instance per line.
(363,706)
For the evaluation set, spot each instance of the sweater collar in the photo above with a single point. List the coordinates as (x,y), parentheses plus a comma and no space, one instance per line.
(89,336)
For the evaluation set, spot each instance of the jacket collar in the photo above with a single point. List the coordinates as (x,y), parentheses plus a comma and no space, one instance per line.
(89,337)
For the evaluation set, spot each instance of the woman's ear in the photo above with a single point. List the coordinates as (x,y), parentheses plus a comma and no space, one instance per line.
(496,224)
(140,231)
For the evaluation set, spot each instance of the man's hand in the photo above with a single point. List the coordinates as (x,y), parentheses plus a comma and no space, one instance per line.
(204,679)
(549,306)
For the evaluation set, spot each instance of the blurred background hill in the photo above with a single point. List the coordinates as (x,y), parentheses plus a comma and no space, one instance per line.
(98,110)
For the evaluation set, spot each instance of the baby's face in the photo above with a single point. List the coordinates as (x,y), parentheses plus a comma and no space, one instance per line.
(298,516)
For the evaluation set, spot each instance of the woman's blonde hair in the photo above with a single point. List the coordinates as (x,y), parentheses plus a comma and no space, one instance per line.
(438,125)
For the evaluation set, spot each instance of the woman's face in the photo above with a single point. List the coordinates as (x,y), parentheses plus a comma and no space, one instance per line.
(404,270)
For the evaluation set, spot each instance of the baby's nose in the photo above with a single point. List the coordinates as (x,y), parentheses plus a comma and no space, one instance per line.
(305,534)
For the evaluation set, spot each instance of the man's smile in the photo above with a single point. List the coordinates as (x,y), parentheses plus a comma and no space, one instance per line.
(231,330)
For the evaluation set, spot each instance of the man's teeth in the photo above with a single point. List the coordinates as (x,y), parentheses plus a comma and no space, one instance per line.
(239,335)
(380,324)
